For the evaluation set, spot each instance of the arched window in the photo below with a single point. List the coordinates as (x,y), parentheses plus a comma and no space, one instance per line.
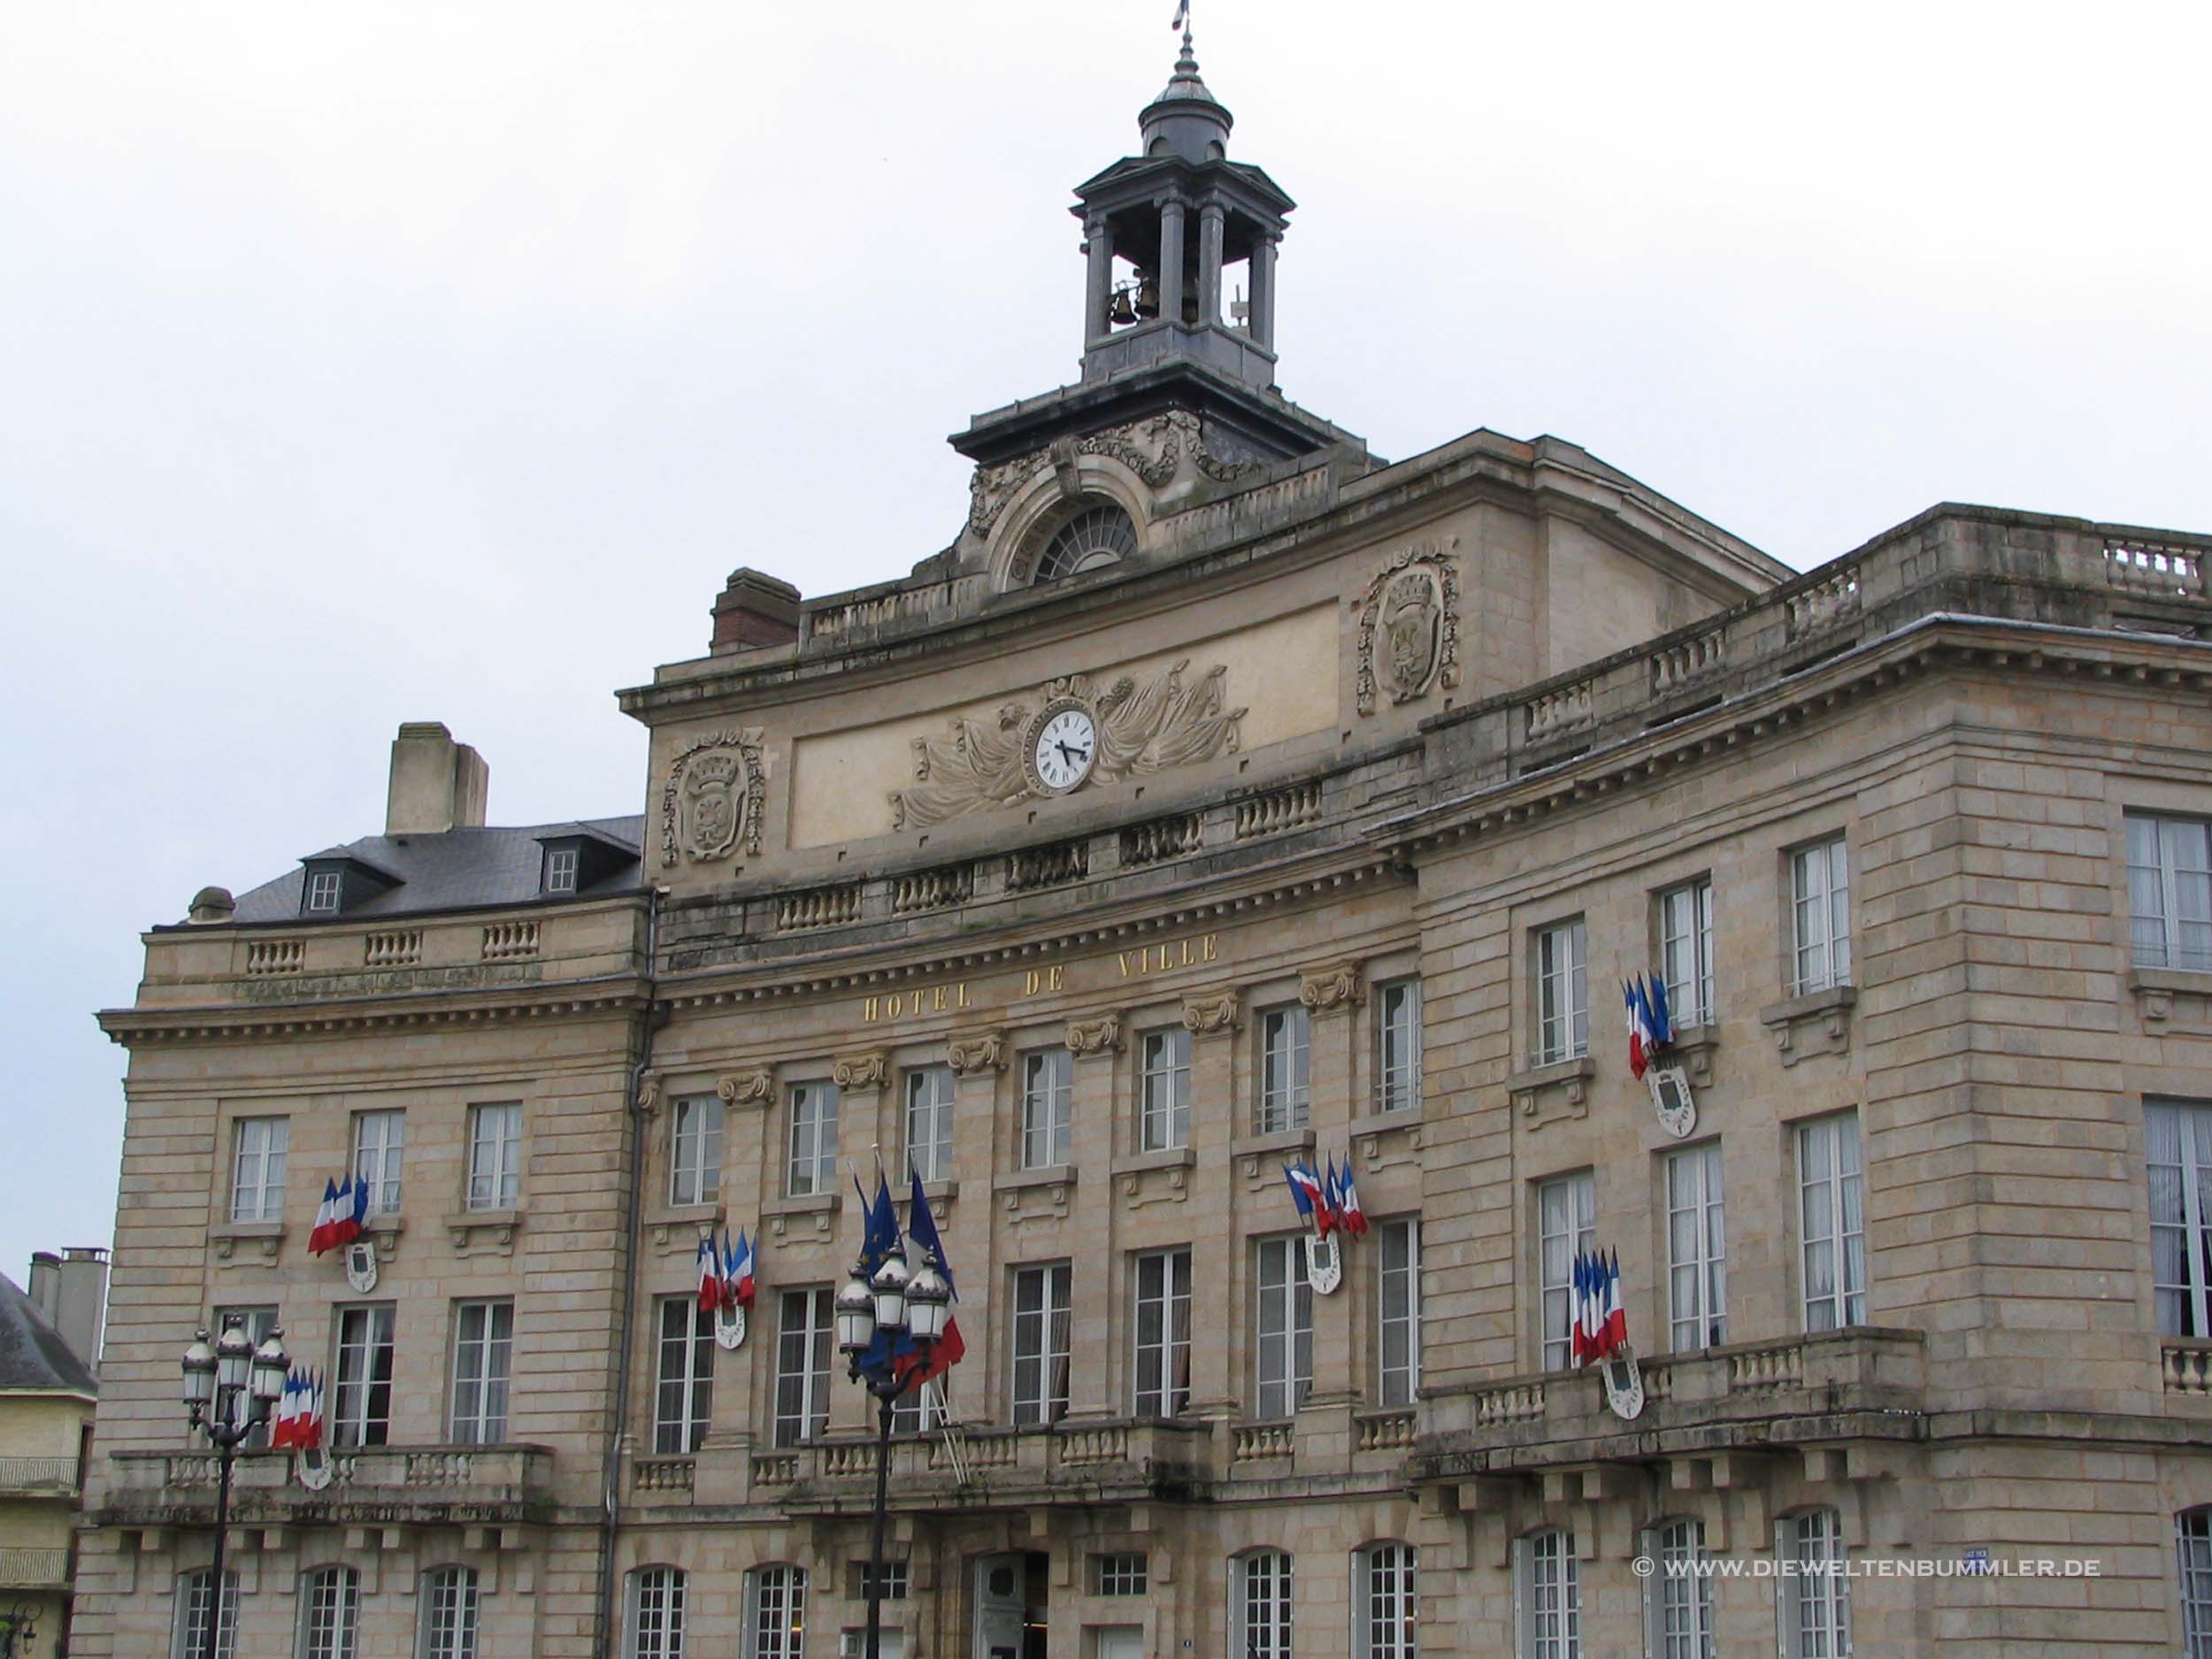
(1815,1598)
(1259,1604)
(1383,1604)
(775,1612)
(2193,1537)
(654,1618)
(1547,1590)
(330,1613)
(195,1611)
(1678,1598)
(447,1617)
(1099,535)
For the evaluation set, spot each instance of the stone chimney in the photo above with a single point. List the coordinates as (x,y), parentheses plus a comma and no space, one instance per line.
(82,1305)
(44,1288)
(437,784)
(754,610)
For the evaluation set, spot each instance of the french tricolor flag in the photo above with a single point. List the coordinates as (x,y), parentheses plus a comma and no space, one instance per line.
(339,1218)
(737,1279)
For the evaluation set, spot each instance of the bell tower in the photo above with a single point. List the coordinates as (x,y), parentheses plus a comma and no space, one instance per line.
(1178,295)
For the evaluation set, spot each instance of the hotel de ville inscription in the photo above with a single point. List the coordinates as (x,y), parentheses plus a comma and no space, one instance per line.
(953,996)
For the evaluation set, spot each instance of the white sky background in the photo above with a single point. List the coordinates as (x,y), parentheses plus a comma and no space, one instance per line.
(438,362)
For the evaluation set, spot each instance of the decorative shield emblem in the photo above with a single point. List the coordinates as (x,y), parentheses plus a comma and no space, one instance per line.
(361,1265)
(313,1468)
(729,1326)
(1325,1265)
(714,805)
(1672,1099)
(1624,1381)
(1412,626)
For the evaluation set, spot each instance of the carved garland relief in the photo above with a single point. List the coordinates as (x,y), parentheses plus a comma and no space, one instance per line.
(1152,448)
(981,763)
(710,805)
(1411,611)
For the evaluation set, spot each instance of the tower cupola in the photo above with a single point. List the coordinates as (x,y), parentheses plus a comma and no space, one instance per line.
(1186,121)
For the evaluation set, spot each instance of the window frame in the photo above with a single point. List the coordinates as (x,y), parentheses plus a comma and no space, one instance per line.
(1160,1369)
(564,869)
(2183,1307)
(1802,1538)
(1048,1122)
(1560,963)
(189,1617)
(1544,1566)
(1032,1340)
(1282,1328)
(1398,1044)
(931,1093)
(1120,1572)
(1163,1088)
(1829,859)
(1407,1391)
(492,1380)
(329,1626)
(324,893)
(1555,1283)
(1845,1298)
(790,1583)
(697,1127)
(1701,1195)
(1284,1101)
(361,1405)
(2192,1575)
(1693,997)
(273,1131)
(460,1640)
(1678,1614)
(815,1109)
(495,1165)
(2162,877)
(815,1328)
(669,1586)
(1392,1567)
(387,1188)
(683,1375)
(1263,1585)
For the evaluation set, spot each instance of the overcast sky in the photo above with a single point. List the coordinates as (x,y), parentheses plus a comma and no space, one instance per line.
(361,364)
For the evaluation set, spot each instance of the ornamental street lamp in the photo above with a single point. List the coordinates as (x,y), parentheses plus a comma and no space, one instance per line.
(893,1304)
(228,1390)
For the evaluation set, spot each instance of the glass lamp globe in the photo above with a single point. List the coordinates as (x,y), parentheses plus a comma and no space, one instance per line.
(928,1304)
(855,1315)
(889,1283)
(199,1371)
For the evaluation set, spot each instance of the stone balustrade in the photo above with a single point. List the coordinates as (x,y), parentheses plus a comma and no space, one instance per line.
(427,1485)
(32,1475)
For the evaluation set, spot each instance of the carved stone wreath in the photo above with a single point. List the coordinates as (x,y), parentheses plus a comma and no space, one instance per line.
(711,803)
(1152,448)
(978,765)
(1413,603)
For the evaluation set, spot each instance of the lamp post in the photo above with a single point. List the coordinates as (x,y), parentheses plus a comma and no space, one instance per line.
(228,1389)
(892,1304)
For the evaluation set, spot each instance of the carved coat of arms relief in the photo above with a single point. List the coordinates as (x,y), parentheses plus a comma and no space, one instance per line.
(711,801)
(1409,627)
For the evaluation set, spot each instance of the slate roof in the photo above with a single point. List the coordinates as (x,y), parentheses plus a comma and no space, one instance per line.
(32,1353)
(453,870)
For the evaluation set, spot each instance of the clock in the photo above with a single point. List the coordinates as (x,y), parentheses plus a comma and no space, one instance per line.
(1063,746)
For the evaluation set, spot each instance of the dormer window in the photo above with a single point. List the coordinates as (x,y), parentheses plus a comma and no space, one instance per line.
(322,893)
(560,869)
(336,883)
(1096,536)
(578,858)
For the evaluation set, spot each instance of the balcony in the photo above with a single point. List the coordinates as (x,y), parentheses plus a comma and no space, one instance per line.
(33,1570)
(1865,1382)
(429,1485)
(39,1477)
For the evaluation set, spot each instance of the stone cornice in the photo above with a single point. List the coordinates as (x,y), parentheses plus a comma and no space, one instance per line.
(234,1022)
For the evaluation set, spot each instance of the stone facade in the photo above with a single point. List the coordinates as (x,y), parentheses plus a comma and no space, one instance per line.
(1493,691)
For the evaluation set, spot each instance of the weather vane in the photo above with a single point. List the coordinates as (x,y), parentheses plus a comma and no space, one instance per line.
(1182,17)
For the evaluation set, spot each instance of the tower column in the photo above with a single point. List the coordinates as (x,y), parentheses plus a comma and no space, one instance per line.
(1263,289)
(1098,292)
(1209,228)
(1171,260)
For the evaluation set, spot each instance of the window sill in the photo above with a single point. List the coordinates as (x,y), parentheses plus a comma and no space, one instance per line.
(1814,1022)
(780,1216)
(1383,1138)
(1027,1193)
(1559,1089)
(1258,1150)
(492,1230)
(1691,1048)
(1146,1176)
(680,1226)
(2183,996)
(1166,1158)
(261,1239)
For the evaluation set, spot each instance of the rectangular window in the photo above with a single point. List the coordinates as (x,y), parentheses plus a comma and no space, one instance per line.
(1685,952)
(896,1581)
(1384,1607)
(1831,1212)
(1678,1598)
(803,1367)
(1567,1223)
(1282,1327)
(1815,1597)
(683,1395)
(483,1356)
(1550,1594)
(448,1614)
(361,1408)
(322,892)
(1120,1574)
(775,1613)
(656,1613)
(258,1146)
(1041,1343)
(495,1156)
(1261,1600)
(1398,1045)
(2178,1138)
(2170,891)
(1398,1301)
(813,1166)
(1697,1249)
(330,1614)
(257,1322)
(1285,1041)
(929,1094)
(378,1140)
(2192,1533)
(1163,1084)
(1163,1356)
(195,1611)
(560,869)
(1820,917)
(1562,994)
(695,1163)
(1047,1134)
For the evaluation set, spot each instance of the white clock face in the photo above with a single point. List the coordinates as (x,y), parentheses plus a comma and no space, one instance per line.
(1067,745)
